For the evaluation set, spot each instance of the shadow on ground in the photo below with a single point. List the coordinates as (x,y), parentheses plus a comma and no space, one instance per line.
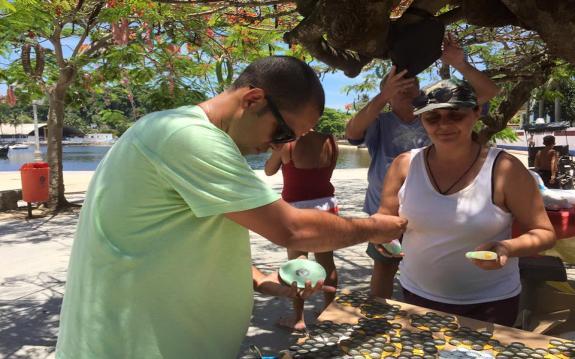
(27,323)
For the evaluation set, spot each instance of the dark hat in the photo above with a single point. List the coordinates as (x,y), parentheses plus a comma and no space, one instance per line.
(415,46)
(451,93)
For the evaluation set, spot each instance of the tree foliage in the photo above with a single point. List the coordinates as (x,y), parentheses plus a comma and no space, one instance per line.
(332,122)
(104,50)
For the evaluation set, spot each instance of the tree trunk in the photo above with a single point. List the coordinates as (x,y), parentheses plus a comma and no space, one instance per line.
(444,71)
(514,98)
(57,97)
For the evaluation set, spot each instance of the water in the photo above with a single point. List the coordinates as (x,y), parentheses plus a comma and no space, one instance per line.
(76,158)
(86,158)
(349,157)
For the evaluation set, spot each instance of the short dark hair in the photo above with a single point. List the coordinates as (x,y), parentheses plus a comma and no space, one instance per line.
(549,140)
(289,82)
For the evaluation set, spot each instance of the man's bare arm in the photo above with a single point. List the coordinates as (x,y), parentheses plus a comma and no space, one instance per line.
(312,230)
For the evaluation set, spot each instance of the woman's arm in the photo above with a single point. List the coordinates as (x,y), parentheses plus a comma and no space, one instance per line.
(392,183)
(516,191)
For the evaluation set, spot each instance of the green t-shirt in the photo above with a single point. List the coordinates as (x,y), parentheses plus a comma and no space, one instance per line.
(156,270)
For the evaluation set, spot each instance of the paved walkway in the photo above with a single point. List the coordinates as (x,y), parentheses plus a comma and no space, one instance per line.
(35,256)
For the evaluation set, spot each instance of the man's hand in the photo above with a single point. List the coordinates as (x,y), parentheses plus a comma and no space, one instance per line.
(391,227)
(271,284)
(381,248)
(394,83)
(453,54)
(502,256)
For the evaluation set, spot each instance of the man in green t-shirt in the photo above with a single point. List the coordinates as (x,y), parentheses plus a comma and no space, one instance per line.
(160,266)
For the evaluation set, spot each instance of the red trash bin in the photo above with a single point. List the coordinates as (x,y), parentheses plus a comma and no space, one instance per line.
(35,181)
(563,221)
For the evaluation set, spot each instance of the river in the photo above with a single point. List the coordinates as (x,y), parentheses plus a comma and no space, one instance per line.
(86,158)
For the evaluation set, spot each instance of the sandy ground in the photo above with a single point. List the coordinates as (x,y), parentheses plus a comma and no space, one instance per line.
(35,256)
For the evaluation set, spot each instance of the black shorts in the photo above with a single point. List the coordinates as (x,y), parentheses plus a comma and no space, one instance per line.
(546,177)
(502,312)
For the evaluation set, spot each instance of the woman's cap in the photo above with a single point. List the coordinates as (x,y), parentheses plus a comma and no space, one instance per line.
(450,93)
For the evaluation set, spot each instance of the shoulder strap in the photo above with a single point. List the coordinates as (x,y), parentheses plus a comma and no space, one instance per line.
(290,148)
(494,154)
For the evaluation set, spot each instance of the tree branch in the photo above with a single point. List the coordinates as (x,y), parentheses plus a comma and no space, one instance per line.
(451,16)
(262,17)
(55,40)
(225,2)
(208,12)
(89,25)
(103,42)
(309,36)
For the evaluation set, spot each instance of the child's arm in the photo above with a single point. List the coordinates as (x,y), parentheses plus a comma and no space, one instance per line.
(273,163)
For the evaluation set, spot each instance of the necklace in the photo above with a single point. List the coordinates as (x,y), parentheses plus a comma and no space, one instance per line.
(458,179)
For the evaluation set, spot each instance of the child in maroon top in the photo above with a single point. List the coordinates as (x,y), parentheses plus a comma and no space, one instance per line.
(307,165)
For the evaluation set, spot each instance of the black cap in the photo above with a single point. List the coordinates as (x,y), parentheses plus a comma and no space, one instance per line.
(451,93)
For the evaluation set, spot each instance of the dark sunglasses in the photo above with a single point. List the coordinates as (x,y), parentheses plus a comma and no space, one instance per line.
(283,132)
(432,118)
(440,95)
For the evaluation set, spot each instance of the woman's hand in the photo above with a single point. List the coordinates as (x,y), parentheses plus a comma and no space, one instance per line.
(271,284)
(502,256)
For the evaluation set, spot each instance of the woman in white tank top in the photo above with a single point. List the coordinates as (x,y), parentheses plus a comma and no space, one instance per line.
(460,196)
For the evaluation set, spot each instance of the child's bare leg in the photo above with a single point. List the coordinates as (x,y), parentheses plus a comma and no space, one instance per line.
(296,322)
(382,278)
(326,261)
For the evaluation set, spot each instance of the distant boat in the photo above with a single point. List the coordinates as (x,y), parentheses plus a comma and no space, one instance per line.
(4,151)
(19,146)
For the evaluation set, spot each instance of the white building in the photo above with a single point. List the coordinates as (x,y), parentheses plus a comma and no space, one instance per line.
(99,138)
(23,132)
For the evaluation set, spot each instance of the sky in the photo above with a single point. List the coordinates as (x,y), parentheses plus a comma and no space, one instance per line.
(333,84)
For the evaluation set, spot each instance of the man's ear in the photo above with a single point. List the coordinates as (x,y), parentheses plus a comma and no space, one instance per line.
(253,98)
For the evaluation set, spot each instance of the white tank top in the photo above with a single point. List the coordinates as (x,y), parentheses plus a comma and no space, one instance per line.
(442,228)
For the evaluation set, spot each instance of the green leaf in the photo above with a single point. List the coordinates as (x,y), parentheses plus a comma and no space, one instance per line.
(4,4)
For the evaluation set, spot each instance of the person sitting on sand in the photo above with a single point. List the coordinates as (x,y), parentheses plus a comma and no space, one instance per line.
(546,162)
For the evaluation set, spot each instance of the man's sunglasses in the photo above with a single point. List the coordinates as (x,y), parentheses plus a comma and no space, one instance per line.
(283,132)
(440,95)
